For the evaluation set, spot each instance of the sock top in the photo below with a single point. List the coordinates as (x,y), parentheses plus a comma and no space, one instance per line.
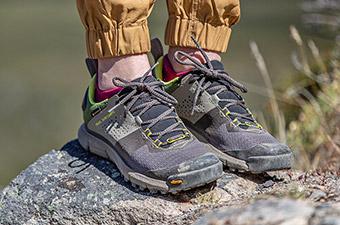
(101,95)
(168,70)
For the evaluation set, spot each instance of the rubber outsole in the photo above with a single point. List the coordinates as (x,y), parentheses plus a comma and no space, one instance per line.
(189,180)
(255,164)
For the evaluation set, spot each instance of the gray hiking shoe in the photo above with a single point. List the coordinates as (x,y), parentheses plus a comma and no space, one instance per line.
(138,129)
(217,115)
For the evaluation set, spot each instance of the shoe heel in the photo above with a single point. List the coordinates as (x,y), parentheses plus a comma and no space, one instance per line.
(91,143)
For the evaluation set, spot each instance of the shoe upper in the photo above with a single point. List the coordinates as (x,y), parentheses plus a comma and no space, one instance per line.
(209,104)
(141,124)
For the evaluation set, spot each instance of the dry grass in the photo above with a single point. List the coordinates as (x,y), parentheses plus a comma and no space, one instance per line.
(315,134)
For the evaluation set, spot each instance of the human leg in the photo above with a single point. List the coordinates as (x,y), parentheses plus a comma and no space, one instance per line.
(208,98)
(137,127)
(117,35)
(209,21)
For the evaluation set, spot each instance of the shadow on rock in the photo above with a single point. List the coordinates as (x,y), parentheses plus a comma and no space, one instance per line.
(82,160)
(85,159)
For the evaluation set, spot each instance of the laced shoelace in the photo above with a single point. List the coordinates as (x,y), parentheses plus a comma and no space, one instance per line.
(205,77)
(156,95)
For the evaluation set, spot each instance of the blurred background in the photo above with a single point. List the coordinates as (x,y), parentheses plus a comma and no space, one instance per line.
(43,75)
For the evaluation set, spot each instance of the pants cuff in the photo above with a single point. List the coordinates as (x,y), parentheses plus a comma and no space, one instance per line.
(212,38)
(118,41)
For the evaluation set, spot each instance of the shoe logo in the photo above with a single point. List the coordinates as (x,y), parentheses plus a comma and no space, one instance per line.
(115,115)
(107,116)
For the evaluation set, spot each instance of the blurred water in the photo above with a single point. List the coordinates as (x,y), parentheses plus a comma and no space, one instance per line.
(42,75)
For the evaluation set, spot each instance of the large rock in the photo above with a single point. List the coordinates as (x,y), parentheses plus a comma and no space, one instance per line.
(278,212)
(71,186)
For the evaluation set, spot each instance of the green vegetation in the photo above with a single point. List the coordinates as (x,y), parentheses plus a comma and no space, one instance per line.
(308,116)
(315,133)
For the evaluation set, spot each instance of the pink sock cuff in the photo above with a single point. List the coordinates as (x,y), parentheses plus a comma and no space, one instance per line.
(101,95)
(169,72)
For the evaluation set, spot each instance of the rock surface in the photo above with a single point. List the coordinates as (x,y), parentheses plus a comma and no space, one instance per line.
(71,186)
(287,212)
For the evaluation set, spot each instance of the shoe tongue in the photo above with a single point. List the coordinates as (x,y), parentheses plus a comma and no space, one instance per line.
(227,94)
(147,79)
(217,65)
(127,90)
(154,112)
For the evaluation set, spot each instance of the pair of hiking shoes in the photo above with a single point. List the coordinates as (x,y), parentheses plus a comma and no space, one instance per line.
(177,135)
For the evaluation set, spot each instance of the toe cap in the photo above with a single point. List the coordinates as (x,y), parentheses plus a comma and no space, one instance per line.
(264,149)
(195,164)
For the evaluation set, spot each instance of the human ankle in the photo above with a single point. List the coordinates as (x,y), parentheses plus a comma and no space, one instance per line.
(192,52)
(128,68)
(101,95)
(168,70)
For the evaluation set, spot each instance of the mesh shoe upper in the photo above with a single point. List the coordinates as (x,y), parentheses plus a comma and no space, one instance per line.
(210,105)
(141,124)
(160,112)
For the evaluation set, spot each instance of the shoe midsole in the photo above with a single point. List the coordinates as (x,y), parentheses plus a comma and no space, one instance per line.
(101,148)
(273,162)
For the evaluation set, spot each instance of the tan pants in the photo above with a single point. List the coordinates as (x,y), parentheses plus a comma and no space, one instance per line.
(120,27)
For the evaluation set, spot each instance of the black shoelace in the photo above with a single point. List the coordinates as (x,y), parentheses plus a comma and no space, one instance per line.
(205,75)
(154,93)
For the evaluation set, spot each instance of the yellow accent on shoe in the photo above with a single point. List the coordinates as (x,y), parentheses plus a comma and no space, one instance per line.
(176,182)
(183,136)
(159,74)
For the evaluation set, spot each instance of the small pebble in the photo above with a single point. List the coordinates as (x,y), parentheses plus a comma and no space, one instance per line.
(268,184)
(317,195)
